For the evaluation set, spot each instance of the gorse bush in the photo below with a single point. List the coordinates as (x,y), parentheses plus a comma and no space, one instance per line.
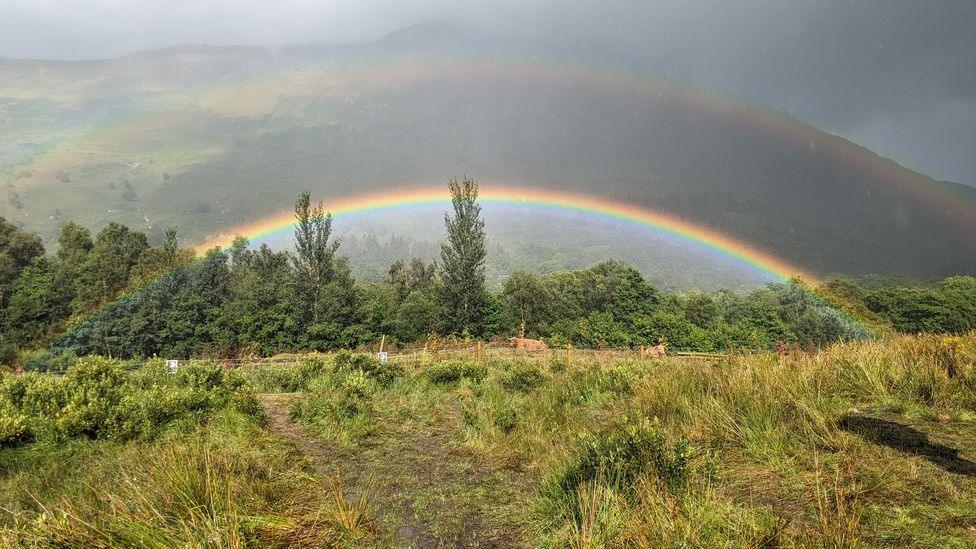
(287,378)
(97,399)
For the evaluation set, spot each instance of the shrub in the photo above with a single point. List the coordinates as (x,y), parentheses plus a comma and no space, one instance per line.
(617,458)
(357,385)
(338,408)
(288,378)
(523,377)
(8,354)
(13,425)
(94,391)
(97,399)
(368,365)
(506,419)
(275,378)
(310,367)
(452,371)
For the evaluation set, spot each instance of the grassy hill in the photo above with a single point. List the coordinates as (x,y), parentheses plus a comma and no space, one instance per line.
(207,138)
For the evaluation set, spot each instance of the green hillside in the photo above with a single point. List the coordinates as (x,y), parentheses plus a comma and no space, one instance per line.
(209,138)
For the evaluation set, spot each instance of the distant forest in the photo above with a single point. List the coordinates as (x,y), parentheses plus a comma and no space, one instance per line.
(115,294)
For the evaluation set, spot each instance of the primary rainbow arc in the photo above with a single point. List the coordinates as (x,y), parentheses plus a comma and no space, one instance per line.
(751,256)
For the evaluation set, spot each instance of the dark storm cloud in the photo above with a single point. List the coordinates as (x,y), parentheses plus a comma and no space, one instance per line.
(896,75)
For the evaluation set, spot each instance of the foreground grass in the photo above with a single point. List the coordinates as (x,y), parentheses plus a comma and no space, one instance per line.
(868,444)
(857,443)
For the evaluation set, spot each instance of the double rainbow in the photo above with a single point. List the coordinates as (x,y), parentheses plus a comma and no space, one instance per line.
(273,227)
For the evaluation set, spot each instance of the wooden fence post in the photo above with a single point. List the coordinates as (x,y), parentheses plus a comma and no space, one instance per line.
(569,354)
(641,352)
(479,350)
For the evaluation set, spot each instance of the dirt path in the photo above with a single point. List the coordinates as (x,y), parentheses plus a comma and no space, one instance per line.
(428,492)
(277,407)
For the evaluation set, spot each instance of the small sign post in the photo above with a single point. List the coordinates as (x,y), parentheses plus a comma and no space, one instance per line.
(172,366)
(382,354)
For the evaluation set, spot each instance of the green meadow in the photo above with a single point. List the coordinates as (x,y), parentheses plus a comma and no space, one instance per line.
(860,444)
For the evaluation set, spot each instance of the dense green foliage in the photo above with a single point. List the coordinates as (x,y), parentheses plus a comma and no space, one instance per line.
(97,398)
(948,306)
(116,295)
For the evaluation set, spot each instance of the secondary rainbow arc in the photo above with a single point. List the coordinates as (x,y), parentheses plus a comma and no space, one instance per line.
(743,253)
(367,71)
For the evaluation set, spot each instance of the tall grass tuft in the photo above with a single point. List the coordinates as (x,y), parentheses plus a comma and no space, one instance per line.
(352,518)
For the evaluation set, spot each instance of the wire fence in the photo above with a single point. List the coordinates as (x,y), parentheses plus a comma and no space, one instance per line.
(418,358)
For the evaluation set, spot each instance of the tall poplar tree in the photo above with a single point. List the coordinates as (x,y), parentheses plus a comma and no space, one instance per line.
(314,259)
(463,258)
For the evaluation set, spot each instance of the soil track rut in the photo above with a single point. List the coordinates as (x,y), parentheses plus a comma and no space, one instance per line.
(427,492)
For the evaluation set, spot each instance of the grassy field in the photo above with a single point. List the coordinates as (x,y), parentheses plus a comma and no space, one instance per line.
(869,444)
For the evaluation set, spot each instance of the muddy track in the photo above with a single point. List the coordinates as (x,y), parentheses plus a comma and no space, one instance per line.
(419,479)
(277,407)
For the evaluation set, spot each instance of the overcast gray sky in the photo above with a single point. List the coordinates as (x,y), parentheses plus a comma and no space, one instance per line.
(898,76)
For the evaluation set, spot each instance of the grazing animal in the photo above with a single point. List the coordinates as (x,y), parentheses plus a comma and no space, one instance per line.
(656,351)
(528,344)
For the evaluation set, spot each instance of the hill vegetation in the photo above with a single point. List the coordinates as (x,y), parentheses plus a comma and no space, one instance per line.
(116,295)
(211,138)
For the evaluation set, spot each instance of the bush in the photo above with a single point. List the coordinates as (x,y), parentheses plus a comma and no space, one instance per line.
(94,390)
(8,354)
(46,361)
(523,377)
(275,379)
(617,458)
(310,367)
(13,425)
(288,378)
(452,371)
(98,399)
(384,374)
(506,419)
(338,408)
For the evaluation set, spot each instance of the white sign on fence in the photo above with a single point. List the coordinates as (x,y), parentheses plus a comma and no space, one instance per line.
(382,357)
(172,366)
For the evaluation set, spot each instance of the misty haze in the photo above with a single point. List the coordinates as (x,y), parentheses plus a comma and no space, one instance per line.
(506,274)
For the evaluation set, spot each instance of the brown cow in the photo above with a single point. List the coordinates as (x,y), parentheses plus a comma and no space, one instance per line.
(527,344)
(656,351)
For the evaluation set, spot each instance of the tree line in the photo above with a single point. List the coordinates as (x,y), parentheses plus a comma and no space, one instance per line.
(115,294)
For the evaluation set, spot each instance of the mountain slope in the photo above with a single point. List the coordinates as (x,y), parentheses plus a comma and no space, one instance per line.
(209,138)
